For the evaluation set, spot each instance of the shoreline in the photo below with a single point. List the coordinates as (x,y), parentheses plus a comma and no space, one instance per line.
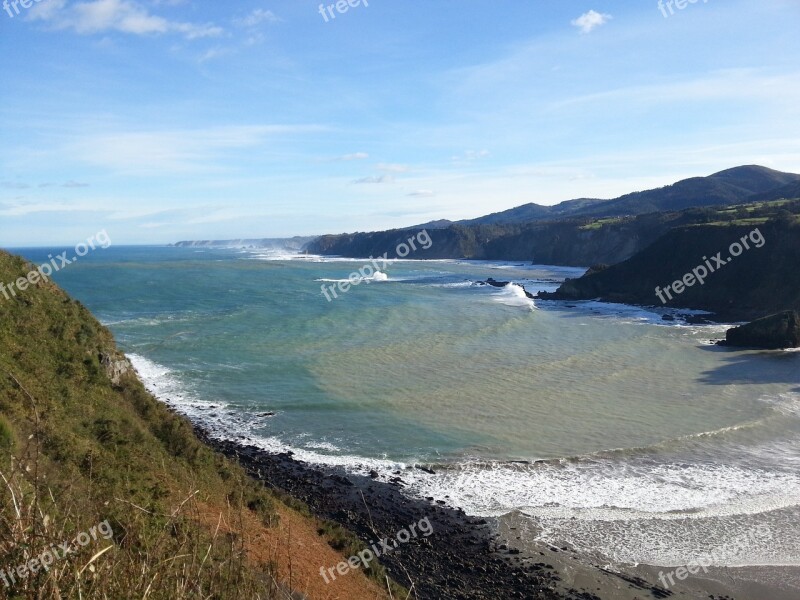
(471,558)
(465,558)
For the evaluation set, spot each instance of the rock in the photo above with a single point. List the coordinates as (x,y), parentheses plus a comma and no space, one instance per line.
(781,330)
(115,366)
(497,284)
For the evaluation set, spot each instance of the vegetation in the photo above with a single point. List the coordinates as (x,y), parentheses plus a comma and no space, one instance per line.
(77,450)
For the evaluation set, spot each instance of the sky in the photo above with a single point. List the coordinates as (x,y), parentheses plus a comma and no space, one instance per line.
(168,120)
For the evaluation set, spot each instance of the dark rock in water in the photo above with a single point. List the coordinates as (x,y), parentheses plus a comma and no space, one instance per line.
(777,331)
(267,414)
(495,283)
(502,284)
(697,320)
(426,470)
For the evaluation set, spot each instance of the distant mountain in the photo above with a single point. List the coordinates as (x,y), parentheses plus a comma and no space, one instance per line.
(576,232)
(440,224)
(577,241)
(732,186)
(787,192)
(535,212)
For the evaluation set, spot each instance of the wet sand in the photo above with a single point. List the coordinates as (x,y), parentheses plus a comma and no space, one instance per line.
(588,572)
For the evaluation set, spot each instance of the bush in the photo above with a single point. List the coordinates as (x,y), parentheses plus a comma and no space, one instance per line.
(6,435)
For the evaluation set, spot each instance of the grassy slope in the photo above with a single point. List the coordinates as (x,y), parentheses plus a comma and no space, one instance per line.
(76,450)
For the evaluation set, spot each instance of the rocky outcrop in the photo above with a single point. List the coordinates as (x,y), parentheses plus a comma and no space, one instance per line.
(777,331)
(741,286)
(116,366)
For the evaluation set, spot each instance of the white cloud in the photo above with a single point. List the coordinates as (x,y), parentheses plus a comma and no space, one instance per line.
(354,156)
(24,208)
(173,151)
(470,155)
(591,20)
(377,179)
(422,194)
(124,16)
(256,18)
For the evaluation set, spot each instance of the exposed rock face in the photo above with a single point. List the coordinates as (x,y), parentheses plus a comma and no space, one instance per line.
(760,281)
(115,366)
(781,330)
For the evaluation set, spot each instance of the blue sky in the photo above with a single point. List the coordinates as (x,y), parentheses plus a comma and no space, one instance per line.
(163,120)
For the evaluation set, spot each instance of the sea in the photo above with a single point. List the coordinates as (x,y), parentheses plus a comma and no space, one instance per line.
(622,431)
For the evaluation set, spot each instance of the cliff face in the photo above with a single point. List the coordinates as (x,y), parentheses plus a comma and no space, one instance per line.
(758,282)
(571,242)
(568,244)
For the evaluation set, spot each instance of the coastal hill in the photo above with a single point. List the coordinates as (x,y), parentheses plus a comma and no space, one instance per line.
(580,232)
(759,282)
(732,186)
(572,242)
(573,233)
(85,448)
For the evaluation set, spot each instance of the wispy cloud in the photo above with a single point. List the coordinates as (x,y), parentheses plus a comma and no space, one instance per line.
(256,18)
(23,208)
(67,184)
(422,194)
(173,151)
(124,16)
(375,179)
(470,155)
(591,20)
(354,156)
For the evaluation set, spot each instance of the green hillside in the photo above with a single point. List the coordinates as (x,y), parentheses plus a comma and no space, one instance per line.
(87,455)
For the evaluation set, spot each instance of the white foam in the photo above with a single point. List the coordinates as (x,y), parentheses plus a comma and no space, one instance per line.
(162,383)
(456,284)
(514,295)
(376,277)
(787,404)
(618,490)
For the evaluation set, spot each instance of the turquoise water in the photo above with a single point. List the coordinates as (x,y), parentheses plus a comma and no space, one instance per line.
(611,428)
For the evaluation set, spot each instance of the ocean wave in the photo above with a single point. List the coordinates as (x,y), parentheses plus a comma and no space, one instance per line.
(376,277)
(514,295)
(787,404)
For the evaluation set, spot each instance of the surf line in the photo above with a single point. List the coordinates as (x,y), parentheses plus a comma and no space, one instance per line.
(355,278)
